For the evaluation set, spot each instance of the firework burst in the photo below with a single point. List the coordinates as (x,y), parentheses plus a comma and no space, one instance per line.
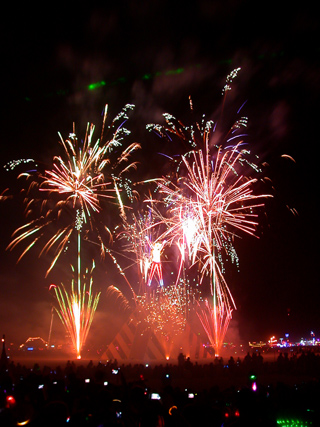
(206,204)
(73,191)
(210,205)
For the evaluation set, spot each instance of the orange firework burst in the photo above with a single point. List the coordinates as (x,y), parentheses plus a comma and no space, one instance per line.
(70,194)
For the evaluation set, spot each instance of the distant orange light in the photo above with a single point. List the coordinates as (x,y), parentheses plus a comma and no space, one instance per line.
(23,423)
(171,409)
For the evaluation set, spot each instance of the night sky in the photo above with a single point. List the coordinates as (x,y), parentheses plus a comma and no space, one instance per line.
(155,55)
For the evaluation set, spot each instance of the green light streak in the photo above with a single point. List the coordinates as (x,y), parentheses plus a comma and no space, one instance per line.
(97,85)
(293,423)
(172,72)
(149,76)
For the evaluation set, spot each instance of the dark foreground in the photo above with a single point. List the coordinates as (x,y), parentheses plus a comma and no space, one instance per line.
(246,392)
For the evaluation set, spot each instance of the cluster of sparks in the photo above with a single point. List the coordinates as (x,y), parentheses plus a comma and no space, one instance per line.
(204,203)
(166,309)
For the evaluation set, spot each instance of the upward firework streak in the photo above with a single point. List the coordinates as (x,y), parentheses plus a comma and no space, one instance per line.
(74,188)
(209,201)
(76,309)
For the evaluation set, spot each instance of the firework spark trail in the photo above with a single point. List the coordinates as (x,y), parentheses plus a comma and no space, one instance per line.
(3,196)
(120,269)
(117,298)
(76,309)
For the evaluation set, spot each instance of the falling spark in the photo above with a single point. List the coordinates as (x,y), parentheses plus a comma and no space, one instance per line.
(288,157)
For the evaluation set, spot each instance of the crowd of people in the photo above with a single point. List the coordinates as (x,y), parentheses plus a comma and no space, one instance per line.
(247,391)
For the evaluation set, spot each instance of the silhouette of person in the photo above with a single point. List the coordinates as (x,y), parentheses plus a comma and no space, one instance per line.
(156,267)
